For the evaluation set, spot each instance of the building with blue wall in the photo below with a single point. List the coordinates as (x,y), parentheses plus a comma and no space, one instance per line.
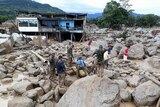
(60,26)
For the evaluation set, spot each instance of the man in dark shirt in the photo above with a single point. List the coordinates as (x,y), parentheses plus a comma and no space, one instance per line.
(100,60)
(60,70)
(52,63)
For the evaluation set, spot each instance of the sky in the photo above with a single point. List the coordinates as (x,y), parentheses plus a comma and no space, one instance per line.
(97,6)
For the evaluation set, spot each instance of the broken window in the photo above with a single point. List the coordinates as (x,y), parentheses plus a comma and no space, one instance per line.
(33,23)
(23,23)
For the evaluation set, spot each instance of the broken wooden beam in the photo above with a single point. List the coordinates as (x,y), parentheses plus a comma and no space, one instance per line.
(40,57)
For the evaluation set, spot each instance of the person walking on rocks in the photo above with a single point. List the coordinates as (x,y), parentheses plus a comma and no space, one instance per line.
(60,70)
(100,60)
(89,44)
(70,53)
(106,57)
(125,53)
(52,64)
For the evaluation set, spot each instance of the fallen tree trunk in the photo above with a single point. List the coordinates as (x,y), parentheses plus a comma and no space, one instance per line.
(40,57)
(152,79)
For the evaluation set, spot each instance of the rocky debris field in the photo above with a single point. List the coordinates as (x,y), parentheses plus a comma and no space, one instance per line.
(25,80)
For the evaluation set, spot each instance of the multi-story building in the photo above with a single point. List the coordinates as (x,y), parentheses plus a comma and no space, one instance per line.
(59,26)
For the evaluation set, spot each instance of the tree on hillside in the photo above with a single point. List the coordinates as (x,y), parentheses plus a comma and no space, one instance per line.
(114,15)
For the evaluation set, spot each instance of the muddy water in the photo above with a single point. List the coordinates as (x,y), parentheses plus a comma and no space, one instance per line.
(5,98)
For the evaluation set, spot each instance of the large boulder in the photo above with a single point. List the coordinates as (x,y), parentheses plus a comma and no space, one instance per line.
(21,102)
(152,50)
(154,61)
(118,47)
(136,51)
(146,94)
(131,40)
(91,91)
(22,86)
(45,85)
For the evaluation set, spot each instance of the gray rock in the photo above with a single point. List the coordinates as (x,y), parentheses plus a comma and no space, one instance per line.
(91,91)
(121,52)
(3,69)
(121,83)
(21,69)
(146,94)
(3,90)
(40,91)
(131,40)
(31,94)
(40,105)
(22,86)
(69,80)
(2,75)
(10,69)
(117,47)
(33,70)
(152,50)
(34,80)
(6,80)
(46,96)
(34,58)
(154,61)
(136,51)
(114,53)
(62,90)
(125,95)
(110,74)
(49,104)
(21,102)
(11,57)
(134,80)
(45,85)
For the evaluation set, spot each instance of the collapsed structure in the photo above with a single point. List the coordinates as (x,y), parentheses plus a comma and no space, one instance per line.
(60,26)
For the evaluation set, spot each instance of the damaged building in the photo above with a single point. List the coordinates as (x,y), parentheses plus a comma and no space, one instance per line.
(56,26)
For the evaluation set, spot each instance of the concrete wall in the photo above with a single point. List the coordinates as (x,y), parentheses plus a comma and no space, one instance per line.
(63,23)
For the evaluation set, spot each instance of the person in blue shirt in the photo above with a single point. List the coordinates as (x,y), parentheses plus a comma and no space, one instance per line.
(60,70)
(80,62)
(81,65)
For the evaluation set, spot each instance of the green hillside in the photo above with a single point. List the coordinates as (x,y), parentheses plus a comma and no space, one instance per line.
(9,8)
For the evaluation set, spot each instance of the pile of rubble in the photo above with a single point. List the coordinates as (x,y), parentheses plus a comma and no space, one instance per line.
(24,74)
